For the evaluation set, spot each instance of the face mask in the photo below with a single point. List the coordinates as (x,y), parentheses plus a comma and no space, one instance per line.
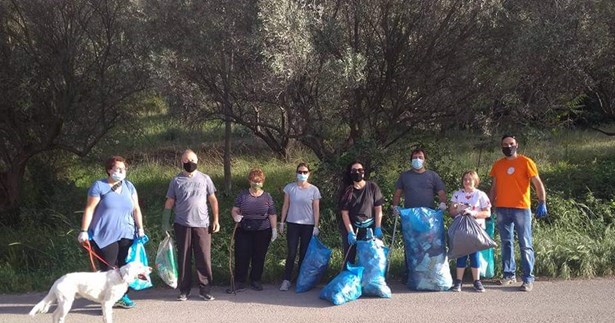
(417,163)
(509,151)
(302,177)
(190,167)
(356,177)
(256,186)
(118,176)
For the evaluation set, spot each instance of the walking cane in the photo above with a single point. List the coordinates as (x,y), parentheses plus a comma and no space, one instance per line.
(392,246)
(230,259)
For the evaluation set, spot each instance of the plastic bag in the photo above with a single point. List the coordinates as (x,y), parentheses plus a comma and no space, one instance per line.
(465,236)
(345,287)
(166,263)
(136,253)
(372,256)
(314,265)
(423,233)
(487,269)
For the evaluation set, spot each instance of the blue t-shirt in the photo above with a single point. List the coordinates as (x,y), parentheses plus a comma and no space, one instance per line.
(112,219)
(419,188)
(190,194)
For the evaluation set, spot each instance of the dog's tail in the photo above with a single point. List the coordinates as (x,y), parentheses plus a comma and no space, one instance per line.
(43,306)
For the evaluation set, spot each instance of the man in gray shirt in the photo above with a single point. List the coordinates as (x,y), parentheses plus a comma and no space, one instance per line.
(188,194)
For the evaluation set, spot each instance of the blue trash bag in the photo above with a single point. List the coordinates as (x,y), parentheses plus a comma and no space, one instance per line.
(136,253)
(423,233)
(314,265)
(345,287)
(372,256)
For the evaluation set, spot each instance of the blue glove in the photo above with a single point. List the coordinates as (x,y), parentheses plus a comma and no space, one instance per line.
(541,210)
(378,232)
(352,238)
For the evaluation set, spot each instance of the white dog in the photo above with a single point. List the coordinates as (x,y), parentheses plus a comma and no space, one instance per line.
(105,288)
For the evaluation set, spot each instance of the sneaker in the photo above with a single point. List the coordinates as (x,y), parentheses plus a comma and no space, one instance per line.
(182,297)
(526,287)
(207,297)
(457,286)
(239,287)
(256,285)
(124,302)
(478,286)
(285,285)
(507,281)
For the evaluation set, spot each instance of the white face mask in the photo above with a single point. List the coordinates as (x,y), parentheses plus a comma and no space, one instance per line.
(118,176)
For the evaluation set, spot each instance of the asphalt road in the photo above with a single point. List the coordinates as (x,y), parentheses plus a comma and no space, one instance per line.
(550,301)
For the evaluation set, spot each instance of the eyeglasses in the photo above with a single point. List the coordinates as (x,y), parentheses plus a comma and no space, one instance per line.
(303,172)
(357,170)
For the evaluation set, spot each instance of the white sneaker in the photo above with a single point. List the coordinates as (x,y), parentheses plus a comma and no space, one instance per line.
(285,285)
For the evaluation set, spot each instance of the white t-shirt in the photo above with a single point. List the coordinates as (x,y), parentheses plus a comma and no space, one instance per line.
(476,200)
(300,209)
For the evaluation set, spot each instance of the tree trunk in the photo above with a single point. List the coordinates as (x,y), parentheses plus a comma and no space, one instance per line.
(227,156)
(10,192)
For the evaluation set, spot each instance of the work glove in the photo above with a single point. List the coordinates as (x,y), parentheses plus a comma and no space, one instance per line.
(281,227)
(352,238)
(237,217)
(378,232)
(470,212)
(541,210)
(83,237)
(316,231)
(442,206)
(140,233)
(166,216)
(274,234)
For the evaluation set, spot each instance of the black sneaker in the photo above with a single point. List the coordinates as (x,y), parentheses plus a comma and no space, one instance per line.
(182,297)
(456,286)
(478,286)
(207,297)
(256,285)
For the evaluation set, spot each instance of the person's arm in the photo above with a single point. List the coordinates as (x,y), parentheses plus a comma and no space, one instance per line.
(236,214)
(285,207)
(346,220)
(540,188)
(492,191)
(213,202)
(377,216)
(273,219)
(137,215)
(316,210)
(88,212)
(442,196)
(396,197)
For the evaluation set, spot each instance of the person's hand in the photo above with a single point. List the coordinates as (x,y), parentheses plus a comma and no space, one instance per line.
(316,231)
(470,212)
(442,206)
(83,237)
(352,238)
(378,232)
(215,227)
(281,227)
(541,210)
(237,217)
(140,232)
(274,234)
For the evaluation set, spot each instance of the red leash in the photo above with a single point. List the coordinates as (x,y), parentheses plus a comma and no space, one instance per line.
(93,254)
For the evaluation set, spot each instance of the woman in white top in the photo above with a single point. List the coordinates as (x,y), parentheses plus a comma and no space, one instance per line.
(301,210)
(470,201)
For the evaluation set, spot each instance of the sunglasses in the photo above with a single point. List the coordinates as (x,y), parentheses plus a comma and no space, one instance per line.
(357,170)
(303,172)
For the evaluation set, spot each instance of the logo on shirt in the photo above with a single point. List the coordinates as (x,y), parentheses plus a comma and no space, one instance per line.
(510,170)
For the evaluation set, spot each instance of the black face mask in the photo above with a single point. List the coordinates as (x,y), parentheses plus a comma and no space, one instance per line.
(509,151)
(357,177)
(190,167)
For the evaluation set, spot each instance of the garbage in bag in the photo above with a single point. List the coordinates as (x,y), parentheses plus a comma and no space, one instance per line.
(488,269)
(136,253)
(423,233)
(465,236)
(313,266)
(372,256)
(345,287)
(166,263)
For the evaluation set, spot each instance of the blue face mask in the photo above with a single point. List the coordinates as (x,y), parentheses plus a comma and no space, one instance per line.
(417,163)
(302,177)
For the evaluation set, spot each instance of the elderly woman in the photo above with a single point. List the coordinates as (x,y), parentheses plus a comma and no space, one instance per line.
(112,218)
(255,217)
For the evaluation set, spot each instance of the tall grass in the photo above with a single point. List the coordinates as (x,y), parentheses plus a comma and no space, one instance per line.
(577,167)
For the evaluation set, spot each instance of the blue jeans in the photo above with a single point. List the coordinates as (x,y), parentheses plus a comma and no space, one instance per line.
(519,220)
(462,262)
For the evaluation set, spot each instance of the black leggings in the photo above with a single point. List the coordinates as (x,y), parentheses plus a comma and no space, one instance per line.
(296,235)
